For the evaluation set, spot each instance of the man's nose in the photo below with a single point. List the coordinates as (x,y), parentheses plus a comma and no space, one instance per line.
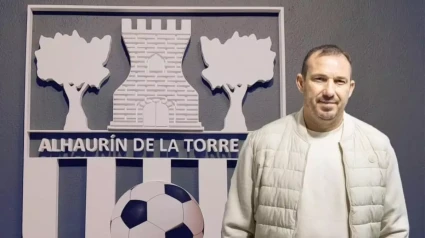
(329,90)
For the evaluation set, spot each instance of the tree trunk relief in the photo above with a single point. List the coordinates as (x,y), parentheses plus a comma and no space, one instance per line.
(76,119)
(235,119)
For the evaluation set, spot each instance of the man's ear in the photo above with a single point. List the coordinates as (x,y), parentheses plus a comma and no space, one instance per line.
(300,83)
(352,86)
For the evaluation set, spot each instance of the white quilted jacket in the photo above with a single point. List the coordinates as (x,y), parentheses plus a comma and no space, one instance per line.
(267,183)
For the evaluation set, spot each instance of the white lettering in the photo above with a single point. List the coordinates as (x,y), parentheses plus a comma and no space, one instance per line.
(234,145)
(103,144)
(120,145)
(135,143)
(91,149)
(161,146)
(44,145)
(55,146)
(112,142)
(196,145)
(149,144)
(211,145)
(187,144)
(223,145)
(79,145)
(66,144)
(173,146)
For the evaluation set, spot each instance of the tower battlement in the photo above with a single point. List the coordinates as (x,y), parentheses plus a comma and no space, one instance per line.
(126,27)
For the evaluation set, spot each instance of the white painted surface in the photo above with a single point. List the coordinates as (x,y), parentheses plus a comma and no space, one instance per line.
(165,212)
(46,228)
(157,170)
(236,65)
(100,196)
(147,190)
(40,198)
(119,229)
(137,132)
(136,9)
(212,194)
(75,65)
(156,95)
(119,206)
(282,61)
(195,220)
(146,229)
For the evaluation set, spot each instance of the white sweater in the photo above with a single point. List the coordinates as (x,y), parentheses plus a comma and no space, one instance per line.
(323,210)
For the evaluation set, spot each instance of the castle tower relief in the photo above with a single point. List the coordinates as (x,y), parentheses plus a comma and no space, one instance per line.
(156,95)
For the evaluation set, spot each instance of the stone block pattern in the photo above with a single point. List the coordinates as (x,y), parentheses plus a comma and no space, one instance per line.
(155,94)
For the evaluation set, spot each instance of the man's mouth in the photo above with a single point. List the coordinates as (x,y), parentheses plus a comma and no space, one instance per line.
(327,102)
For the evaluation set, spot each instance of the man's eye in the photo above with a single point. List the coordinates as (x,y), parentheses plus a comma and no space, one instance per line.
(321,79)
(340,82)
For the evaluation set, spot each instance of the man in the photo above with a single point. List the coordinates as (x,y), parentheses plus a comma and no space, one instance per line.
(320,172)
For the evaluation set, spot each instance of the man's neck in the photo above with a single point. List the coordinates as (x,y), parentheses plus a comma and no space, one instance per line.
(319,125)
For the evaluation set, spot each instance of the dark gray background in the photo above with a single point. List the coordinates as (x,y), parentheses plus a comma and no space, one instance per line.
(385,38)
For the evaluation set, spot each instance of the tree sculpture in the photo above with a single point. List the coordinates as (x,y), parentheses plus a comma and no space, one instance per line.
(235,66)
(74,64)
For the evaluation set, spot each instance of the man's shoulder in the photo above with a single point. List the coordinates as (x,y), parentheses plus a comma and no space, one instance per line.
(269,135)
(377,138)
(277,126)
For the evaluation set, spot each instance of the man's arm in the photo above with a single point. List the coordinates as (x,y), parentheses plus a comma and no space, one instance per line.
(395,223)
(238,216)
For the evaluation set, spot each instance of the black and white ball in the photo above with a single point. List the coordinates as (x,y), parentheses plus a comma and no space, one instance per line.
(157,209)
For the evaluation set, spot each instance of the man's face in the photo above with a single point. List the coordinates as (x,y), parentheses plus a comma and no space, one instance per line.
(326,87)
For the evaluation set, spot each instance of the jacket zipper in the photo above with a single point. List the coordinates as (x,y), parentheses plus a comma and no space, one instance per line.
(347,190)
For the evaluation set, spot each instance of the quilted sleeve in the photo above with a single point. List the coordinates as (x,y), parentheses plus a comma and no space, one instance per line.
(395,222)
(238,216)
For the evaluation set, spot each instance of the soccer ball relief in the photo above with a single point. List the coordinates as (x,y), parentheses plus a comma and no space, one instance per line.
(157,209)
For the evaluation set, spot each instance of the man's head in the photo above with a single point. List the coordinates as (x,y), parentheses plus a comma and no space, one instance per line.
(326,84)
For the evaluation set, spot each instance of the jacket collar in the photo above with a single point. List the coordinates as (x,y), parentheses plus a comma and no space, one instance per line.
(301,129)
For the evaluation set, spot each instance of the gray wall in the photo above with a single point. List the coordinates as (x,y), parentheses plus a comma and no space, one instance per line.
(385,39)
